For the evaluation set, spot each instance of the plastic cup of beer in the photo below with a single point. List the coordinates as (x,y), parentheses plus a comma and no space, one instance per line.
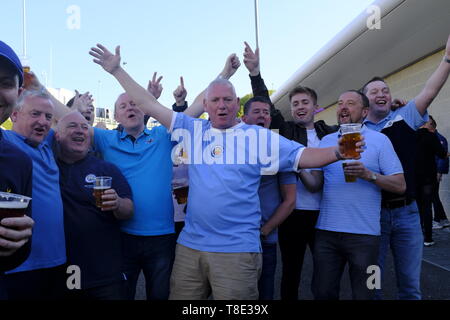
(351,134)
(348,178)
(13,205)
(101,184)
(181,194)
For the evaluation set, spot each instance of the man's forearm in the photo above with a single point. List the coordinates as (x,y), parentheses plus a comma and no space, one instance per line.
(433,86)
(318,157)
(393,183)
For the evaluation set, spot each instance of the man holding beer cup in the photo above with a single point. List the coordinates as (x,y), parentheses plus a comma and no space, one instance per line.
(92,229)
(223,210)
(348,228)
(15,172)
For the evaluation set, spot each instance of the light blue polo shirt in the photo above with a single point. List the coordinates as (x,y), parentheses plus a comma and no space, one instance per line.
(48,247)
(223,211)
(355,207)
(408,113)
(147,166)
(270,198)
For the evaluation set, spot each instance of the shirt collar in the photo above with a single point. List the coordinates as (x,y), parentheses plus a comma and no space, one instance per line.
(387,118)
(124,134)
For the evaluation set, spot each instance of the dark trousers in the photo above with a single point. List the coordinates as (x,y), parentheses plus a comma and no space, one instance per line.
(424,202)
(332,251)
(113,291)
(40,284)
(266,283)
(154,255)
(294,235)
(439,212)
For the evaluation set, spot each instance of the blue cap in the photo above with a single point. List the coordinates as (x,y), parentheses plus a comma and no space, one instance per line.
(10,56)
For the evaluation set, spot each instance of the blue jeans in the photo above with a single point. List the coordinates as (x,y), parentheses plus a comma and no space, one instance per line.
(402,232)
(154,255)
(332,251)
(266,282)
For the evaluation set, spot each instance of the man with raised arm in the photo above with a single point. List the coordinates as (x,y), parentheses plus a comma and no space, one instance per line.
(400,220)
(218,251)
(296,233)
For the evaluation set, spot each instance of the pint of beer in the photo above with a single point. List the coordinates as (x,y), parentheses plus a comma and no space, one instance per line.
(348,178)
(181,194)
(101,184)
(351,134)
(12,205)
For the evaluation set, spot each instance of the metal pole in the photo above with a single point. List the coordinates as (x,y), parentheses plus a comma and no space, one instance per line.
(24,36)
(257,23)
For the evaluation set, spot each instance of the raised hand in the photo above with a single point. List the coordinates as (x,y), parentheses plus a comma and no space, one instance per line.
(231,66)
(251,59)
(180,93)
(103,57)
(81,102)
(154,86)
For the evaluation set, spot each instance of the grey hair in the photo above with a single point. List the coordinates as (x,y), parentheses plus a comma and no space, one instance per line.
(220,81)
(31,94)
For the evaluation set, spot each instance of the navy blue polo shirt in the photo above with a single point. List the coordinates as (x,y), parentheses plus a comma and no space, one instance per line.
(93,238)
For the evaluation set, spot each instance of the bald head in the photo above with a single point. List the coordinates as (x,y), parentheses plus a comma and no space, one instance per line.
(73,137)
(219,82)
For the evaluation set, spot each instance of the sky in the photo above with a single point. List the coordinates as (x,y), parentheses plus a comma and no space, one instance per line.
(173,37)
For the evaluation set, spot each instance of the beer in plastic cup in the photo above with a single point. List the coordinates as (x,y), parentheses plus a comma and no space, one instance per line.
(13,205)
(348,178)
(181,194)
(101,184)
(351,134)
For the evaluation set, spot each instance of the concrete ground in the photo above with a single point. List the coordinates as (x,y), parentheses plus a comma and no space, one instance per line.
(435,274)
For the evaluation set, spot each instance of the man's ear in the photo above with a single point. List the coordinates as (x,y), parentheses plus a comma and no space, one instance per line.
(365,112)
(204,105)
(13,116)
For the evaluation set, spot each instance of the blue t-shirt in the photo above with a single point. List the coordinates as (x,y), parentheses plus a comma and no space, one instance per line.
(225,167)
(146,163)
(48,245)
(355,207)
(270,198)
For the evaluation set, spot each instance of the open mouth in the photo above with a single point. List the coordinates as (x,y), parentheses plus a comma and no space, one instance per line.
(131,116)
(301,114)
(39,131)
(381,102)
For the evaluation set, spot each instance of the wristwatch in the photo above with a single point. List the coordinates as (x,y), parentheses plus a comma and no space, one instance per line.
(447,59)
(373,177)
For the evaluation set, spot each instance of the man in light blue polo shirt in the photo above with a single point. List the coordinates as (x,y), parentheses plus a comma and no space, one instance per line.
(400,220)
(348,227)
(42,275)
(219,248)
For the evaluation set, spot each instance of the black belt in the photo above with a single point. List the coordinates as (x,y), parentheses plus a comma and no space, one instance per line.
(394,204)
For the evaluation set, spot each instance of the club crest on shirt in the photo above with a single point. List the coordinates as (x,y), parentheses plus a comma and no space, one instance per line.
(149,141)
(217,152)
(90,178)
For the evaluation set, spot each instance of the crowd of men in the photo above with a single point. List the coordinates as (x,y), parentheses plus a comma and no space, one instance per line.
(250,189)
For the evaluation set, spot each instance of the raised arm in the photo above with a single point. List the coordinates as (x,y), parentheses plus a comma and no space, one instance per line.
(434,83)
(180,95)
(251,61)
(232,64)
(143,99)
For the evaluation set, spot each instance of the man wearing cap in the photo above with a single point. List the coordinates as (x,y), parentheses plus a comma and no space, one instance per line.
(15,170)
